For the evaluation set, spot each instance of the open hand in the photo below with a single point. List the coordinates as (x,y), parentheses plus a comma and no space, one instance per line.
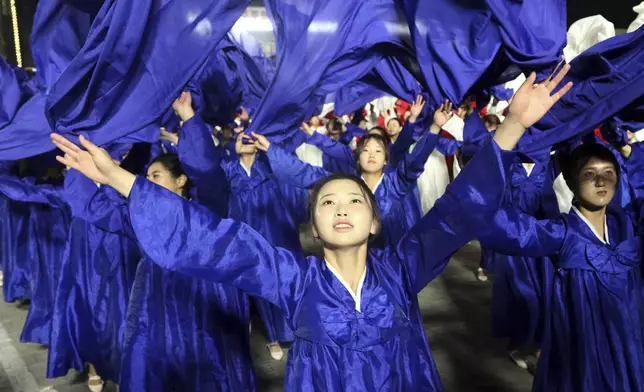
(416,108)
(443,113)
(93,162)
(532,101)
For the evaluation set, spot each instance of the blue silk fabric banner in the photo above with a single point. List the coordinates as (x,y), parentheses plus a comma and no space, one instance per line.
(125,76)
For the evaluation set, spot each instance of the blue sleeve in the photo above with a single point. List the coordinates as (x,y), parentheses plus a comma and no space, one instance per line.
(456,218)
(409,134)
(413,164)
(183,236)
(201,160)
(288,169)
(635,171)
(108,212)
(25,191)
(341,153)
(448,146)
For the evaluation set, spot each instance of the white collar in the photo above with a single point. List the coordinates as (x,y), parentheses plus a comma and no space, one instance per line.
(377,184)
(583,218)
(246,169)
(356,296)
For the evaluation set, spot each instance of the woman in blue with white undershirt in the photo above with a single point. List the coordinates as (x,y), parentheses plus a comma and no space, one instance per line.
(355,312)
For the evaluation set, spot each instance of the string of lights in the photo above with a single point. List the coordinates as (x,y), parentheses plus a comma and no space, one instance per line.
(16,32)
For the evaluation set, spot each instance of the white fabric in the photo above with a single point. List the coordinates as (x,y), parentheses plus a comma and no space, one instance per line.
(585,33)
(528,168)
(246,169)
(377,184)
(564,194)
(433,181)
(516,83)
(456,168)
(639,20)
(215,140)
(455,127)
(639,135)
(310,154)
(603,239)
(356,296)
(327,108)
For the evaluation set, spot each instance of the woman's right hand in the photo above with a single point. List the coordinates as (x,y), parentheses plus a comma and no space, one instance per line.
(93,162)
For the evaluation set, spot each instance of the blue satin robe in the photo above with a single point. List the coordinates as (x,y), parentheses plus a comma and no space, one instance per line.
(382,346)
(522,288)
(93,288)
(390,193)
(275,210)
(595,335)
(182,332)
(48,224)
(15,252)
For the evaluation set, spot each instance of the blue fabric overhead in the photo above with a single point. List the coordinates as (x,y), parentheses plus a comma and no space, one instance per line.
(461,45)
(322,46)
(608,83)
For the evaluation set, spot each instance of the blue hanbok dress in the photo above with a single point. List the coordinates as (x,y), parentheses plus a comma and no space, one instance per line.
(394,186)
(48,225)
(595,335)
(182,332)
(375,342)
(15,250)
(273,209)
(521,292)
(94,285)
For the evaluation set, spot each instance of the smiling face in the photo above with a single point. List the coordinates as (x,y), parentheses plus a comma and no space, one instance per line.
(343,215)
(372,155)
(596,184)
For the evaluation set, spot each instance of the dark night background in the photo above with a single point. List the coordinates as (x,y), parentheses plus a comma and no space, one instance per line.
(620,12)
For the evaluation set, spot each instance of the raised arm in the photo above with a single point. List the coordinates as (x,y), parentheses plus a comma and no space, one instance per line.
(287,168)
(183,236)
(334,149)
(472,200)
(27,191)
(200,158)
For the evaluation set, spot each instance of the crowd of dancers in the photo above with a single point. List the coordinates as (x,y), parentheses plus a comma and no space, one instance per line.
(140,260)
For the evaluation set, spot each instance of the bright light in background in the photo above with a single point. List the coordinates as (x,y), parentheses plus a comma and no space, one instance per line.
(253,24)
(16,32)
(323,27)
(204,27)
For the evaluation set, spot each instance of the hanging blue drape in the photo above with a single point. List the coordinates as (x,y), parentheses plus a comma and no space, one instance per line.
(128,73)
(58,33)
(389,77)
(322,46)
(466,45)
(608,80)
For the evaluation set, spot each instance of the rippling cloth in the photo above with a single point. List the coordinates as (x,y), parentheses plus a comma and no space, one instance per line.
(522,288)
(379,346)
(463,44)
(183,332)
(608,79)
(48,225)
(120,82)
(335,41)
(596,327)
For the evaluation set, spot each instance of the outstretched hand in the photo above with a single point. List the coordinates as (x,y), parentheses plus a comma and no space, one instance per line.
(93,162)
(416,108)
(183,106)
(443,113)
(532,101)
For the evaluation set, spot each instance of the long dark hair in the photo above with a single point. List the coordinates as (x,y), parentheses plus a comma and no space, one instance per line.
(366,192)
(172,164)
(361,144)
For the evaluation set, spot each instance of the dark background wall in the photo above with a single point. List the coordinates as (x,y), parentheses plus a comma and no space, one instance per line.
(620,12)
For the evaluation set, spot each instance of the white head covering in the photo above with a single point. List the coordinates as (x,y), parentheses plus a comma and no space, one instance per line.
(639,20)
(585,33)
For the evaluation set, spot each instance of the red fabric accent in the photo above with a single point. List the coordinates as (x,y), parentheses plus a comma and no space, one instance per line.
(381,121)
(484,112)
